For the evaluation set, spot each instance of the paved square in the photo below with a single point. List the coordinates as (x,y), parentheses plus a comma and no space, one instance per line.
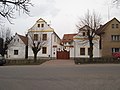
(60,75)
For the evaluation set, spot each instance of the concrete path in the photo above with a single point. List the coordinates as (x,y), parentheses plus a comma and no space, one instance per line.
(59,63)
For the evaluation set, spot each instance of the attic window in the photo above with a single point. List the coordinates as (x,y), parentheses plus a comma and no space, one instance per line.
(117,26)
(113,26)
(42,25)
(38,25)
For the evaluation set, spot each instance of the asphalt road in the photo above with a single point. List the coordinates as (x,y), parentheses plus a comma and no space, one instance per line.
(60,77)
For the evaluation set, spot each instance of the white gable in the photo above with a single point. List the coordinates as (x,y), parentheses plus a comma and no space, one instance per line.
(16,41)
(40,25)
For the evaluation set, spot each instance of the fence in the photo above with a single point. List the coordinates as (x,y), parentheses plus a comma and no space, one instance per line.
(96,60)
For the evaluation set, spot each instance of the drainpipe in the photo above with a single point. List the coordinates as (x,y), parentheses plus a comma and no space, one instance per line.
(26,48)
(74,50)
(51,46)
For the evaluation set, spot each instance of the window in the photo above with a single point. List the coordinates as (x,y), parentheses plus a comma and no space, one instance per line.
(44,37)
(15,52)
(115,50)
(117,26)
(82,51)
(83,33)
(55,38)
(113,26)
(38,25)
(42,25)
(115,37)
(36,37)
(44,50)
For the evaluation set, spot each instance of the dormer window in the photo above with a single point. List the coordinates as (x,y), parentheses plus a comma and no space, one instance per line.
(38,25)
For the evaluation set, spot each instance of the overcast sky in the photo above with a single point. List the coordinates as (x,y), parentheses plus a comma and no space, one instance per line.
(63,15)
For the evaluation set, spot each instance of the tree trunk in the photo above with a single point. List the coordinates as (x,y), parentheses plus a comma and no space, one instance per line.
(35,57)
(91,49)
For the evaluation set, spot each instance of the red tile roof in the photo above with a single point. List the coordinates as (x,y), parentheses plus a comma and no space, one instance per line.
(23,38)
(68,38)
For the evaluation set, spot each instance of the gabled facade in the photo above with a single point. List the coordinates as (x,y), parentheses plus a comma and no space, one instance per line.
(42,31)
(78,44)
(17,47)
(110,38)
(82,44)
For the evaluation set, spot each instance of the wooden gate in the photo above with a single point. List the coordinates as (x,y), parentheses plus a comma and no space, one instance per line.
(63,55)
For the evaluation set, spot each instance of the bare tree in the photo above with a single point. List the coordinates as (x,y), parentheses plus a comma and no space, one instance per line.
(92,21)
(6,35)
(8,8)
(116,2)
(36,44)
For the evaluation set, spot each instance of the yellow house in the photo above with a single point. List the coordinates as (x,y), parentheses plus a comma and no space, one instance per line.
(110,38)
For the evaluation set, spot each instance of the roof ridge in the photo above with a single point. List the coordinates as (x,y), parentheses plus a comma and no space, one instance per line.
(102,28)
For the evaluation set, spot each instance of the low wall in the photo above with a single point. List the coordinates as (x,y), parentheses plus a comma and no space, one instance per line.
(24,61)
(96,60)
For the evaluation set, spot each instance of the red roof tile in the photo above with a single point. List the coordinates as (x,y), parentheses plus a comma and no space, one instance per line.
(68,37)
(23,38)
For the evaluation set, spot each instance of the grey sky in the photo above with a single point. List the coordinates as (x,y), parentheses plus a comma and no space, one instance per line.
(63,14)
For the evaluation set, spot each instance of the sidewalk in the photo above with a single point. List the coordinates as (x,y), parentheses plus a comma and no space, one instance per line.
(59,63)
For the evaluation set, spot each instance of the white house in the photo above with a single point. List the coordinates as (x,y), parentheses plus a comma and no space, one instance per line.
(40,30)
(81,44)
(17,47)
(78,44)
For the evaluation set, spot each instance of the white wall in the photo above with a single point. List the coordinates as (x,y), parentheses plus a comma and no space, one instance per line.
(16,45)
(78,45)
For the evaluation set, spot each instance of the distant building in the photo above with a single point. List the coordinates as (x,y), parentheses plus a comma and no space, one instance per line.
(110,38)
(68,44)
